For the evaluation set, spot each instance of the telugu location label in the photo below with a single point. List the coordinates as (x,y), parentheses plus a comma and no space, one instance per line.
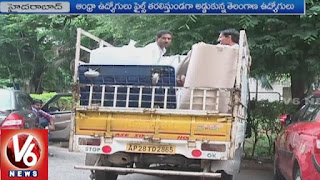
(35,7)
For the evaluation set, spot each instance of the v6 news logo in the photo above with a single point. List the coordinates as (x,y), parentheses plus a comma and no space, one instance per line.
(24,154)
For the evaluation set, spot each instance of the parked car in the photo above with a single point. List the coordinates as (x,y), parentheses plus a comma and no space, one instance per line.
(16,112)
(297,147)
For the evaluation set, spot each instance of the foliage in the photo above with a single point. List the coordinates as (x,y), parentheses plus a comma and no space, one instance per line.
(44,97)
(4,83)
(261,149)
(36,51)
(267,113)
(286,46)
(63,103)
(265,124)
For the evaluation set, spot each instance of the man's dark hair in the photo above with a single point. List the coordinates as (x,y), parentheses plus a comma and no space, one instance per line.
(231,32)
(35,101)
(162,32)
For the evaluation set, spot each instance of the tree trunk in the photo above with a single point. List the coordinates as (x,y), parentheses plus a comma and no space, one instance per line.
(255,130)
(297,87)
(269,137)
(256,139)
(36,81)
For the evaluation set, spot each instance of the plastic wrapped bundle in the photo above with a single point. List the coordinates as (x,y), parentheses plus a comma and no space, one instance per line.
(125,55)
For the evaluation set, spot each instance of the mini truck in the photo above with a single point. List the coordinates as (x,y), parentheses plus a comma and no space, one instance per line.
(126,122)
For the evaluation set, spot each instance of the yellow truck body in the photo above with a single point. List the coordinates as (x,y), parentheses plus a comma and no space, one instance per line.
(177,127)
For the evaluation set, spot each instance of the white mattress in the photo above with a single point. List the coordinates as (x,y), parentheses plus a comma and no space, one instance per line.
(209,66)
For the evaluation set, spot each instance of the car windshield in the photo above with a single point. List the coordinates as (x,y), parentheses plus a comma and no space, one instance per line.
(5,100)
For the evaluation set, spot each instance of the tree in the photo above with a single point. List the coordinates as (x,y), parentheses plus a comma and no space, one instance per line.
(36,50)
(286,46)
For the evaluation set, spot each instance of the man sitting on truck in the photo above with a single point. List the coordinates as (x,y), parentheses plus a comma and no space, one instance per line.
(158,48)
(227,37)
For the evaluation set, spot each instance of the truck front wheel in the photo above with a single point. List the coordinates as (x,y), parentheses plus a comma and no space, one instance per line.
(105,175)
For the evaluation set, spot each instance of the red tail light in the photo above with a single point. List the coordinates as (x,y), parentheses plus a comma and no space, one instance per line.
(196,153)
(13,121)
(106,149)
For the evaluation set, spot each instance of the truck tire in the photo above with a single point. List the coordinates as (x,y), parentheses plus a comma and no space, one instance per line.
(105,175)
(225,176)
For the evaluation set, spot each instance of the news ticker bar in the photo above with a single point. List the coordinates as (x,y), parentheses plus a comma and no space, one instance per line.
(154,7)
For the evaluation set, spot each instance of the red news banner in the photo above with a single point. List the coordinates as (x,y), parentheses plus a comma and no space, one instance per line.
(24,154)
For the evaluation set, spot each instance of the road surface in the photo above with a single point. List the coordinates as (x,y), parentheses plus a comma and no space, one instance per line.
(61,168)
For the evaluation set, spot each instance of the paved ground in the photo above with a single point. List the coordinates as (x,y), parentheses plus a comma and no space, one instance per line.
(61,168)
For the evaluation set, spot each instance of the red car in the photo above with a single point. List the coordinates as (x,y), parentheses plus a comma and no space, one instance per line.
(297,147)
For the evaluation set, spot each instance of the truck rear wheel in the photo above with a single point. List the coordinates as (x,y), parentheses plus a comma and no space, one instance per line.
(105,175)
(224,176)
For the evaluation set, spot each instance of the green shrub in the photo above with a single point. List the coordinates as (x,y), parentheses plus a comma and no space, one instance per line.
(265,126)
(63,103)
(44,97)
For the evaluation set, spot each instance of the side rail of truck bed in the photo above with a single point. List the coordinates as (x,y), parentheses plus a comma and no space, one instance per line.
(156,99)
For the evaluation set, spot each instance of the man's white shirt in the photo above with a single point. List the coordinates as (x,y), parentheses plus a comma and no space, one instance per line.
(235,46)
(156,52)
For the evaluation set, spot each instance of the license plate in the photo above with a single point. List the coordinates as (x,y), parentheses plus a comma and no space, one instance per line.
(153,149)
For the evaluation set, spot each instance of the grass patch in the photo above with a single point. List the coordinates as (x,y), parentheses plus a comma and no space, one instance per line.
(262,147)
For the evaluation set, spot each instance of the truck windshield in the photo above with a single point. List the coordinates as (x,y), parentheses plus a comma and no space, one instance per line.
(5,100)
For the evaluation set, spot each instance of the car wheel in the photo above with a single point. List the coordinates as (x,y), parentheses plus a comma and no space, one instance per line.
(297,175)
(277,175)
(105,175)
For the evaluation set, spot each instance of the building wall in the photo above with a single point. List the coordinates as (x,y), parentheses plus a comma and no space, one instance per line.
(278,92)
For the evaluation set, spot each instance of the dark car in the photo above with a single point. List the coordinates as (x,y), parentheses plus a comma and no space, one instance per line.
(16,112)
(297,147)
